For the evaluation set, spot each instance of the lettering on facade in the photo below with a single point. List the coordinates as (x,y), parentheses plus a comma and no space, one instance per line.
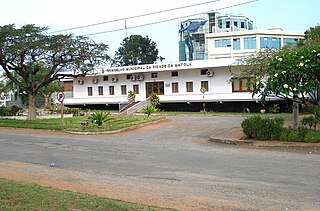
(148,67)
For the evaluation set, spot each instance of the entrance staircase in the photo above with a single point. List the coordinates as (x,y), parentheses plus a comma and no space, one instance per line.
(133,107)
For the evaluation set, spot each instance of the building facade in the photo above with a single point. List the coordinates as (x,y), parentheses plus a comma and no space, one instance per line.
(208,47)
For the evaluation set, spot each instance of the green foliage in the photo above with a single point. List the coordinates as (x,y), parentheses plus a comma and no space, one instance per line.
(275,109)
(99,117)
(12,110)
(312,36)
(262,128)
(310,121)
(32,58)
(314,110)
(154,99)
(73,124)
(131,96)
(149,109)
(73,111)
(302,133)
(288,72)
(136,50)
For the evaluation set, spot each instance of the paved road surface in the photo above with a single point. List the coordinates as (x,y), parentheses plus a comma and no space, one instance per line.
(171,164)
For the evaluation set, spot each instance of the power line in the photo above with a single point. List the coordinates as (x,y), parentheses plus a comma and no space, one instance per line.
(132,17)
(171,19)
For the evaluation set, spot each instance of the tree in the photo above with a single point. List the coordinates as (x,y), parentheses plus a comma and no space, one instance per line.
(38,58)
(136,50)
(47,90)
(291,73)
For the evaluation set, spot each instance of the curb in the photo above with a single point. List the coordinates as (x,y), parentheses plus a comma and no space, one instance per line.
(230,141)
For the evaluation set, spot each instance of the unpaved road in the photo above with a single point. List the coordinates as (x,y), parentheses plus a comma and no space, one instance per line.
(171,164)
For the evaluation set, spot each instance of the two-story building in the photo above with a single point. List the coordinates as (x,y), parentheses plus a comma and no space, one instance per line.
(202,77)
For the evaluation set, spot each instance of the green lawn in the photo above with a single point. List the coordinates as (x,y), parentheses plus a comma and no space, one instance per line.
(74,123)
(23,196)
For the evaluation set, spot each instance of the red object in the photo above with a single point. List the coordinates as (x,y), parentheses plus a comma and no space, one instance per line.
(60,96)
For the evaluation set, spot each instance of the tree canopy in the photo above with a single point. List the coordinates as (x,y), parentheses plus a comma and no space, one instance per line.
(136,50)
(292,72)
(32,58)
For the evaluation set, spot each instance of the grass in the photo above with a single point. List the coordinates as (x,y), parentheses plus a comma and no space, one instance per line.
(24,196)
(74,123)
(302,135)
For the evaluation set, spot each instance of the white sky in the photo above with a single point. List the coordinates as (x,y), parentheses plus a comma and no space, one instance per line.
(292,15)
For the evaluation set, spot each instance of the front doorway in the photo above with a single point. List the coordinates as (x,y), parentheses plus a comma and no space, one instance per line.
(155,87)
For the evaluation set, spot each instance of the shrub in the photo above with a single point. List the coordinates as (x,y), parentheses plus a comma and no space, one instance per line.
(275,108)
(131,96)
(99,117)
(9,110)
(302,133)
(262,129)
(149,109)
(310,121)
(154,99)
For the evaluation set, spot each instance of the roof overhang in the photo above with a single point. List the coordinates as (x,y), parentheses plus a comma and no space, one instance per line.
(173,66)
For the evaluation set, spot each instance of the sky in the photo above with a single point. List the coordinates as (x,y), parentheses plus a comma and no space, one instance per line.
(290,15)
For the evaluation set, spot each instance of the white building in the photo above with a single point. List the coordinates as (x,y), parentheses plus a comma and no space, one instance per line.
(217,44)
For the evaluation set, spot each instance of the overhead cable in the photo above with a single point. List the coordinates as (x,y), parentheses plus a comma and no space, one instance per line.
(171,19)
(132,17)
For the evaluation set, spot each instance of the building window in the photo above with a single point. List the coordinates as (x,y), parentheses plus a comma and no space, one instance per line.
(241,85)
(100,90)
(175,87)
(174,74)
(205,84)
(154,75)
(270,42)
(235,24)
(129,76)
(106,78)
(228,24)
(222,43)
(289,41)
(189,86)
(242,25)
(123,89)
(89,91)
(136,89)
(250,43)
(111,90)
(236,44)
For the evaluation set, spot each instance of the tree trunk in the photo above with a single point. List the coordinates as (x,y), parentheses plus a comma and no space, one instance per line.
(295,110)
(46,101)
(32,109)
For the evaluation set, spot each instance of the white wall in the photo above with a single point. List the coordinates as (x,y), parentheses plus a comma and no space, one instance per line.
(219,87)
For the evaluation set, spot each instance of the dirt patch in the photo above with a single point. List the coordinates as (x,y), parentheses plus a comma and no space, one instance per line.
(112,187)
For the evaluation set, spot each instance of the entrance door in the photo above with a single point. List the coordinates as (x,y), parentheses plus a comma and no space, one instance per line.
(155,87)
